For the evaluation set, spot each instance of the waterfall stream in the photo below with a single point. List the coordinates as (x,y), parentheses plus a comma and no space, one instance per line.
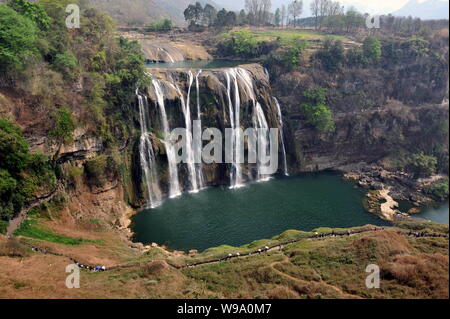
(147,156)
(200,178)
(186,108)
(175,189)
(280,122)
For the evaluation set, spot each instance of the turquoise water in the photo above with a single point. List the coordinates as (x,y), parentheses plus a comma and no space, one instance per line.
(218,216)
(200,64)
(437,213)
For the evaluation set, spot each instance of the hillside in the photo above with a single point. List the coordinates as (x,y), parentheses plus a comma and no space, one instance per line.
(139,12)
(427,10)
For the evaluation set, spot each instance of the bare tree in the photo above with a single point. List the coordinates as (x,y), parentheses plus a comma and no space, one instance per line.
(295,10)
(315,11)
(259,10)
(283,15)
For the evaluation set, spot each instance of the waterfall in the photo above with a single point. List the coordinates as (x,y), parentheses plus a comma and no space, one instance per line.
(171,158)
(280,122)
(234,112)
(188,123)
(168,54)
(147,156)
(259,120)
(200,178)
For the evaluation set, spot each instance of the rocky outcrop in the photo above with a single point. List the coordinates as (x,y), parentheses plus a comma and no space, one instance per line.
(159,50)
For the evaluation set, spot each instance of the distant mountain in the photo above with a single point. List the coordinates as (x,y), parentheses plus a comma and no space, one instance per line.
(140,12)
(430,9)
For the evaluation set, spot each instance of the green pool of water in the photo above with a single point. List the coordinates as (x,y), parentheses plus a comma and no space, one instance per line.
(218,216)
(437,213)
(200,64)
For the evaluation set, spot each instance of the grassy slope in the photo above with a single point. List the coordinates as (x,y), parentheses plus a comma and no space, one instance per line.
(287,35)
(318,268)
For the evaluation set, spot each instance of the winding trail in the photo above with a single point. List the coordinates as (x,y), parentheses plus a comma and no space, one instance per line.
(248,254)
(15,223)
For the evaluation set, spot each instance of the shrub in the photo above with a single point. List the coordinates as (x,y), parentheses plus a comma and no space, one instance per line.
(439,191)
(163,25)
(316,112)
(18,36)
(21,173)
(239,43)
(33,11)
(66,64)
(331,55)
(422,165)
(95,170)
(290,55)
(355,58)
(64,125)
(372,49)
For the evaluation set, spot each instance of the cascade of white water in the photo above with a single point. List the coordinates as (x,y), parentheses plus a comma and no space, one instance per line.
(168,54)
(171,158)
(280,122)
(188,123)
(259,120)
(200,178)
(147,156)
(234,112)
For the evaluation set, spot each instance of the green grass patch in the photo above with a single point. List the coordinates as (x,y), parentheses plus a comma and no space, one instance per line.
(30,228)
(3,226)
(287,36)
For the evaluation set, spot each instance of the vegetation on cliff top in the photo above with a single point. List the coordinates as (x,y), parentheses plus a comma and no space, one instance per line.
(23,176)
(82,77)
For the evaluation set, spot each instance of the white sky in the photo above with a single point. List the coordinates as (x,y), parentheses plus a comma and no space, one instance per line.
(381,5)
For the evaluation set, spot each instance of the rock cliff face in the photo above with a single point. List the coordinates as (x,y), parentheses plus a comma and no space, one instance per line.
(377,113)
(159,50)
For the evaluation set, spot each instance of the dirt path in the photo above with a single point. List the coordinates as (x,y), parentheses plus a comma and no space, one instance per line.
(309,283)
(15,223)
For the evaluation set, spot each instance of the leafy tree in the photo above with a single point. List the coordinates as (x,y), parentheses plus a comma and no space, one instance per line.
(422,165)
(209,15)
(239,43)
(278,17)
(231,18)
(439,191)
(21,173)
(64,125)
(242,19)
(66,63)
(316,112)
(194,13)
(355,58)
(289,55)
(13,148)
(331,55)
(372,49)
(33,11)
(18,36)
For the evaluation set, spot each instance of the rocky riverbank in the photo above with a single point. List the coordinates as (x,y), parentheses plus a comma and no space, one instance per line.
(385,188)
